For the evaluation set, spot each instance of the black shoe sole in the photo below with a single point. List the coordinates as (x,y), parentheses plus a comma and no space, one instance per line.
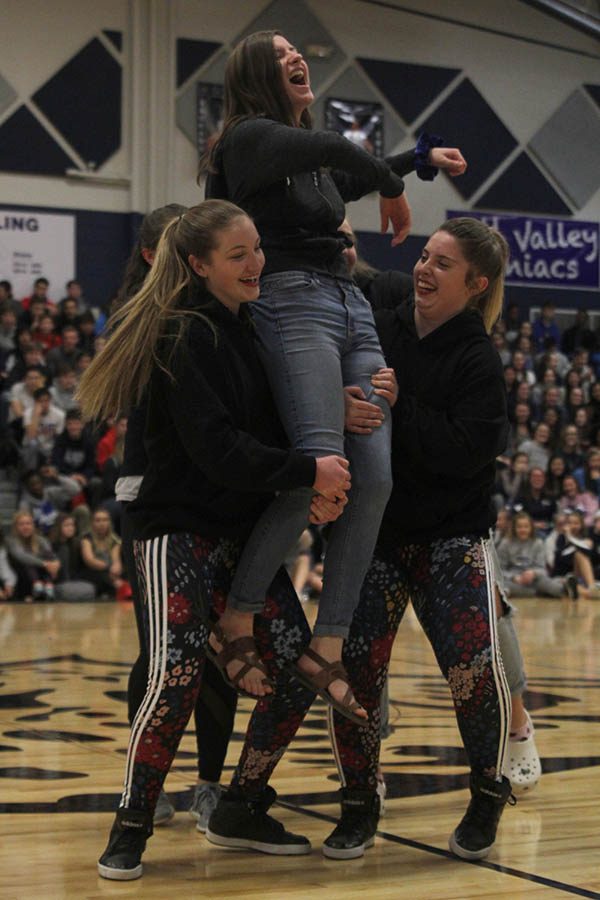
(456,848)
(234,843)
(119,874)
(347,852)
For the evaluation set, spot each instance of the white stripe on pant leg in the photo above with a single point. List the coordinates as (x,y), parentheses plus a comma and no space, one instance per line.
(504,704)
(157,597)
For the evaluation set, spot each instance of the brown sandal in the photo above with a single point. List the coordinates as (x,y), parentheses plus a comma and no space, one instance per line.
(242,649)
(320,681)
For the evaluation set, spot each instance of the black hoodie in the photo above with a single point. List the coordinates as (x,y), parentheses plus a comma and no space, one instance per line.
(216,449)
(294,183)
(449,424)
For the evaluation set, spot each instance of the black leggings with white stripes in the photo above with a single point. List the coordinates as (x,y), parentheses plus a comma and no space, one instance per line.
(182,578)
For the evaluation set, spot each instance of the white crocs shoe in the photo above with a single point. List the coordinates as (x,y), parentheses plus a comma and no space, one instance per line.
(522,762)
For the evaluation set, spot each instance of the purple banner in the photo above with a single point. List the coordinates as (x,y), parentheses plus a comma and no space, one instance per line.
(560,253)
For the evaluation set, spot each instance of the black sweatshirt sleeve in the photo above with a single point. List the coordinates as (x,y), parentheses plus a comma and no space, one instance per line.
(466,437)
(353,187)
(228,456)
(259,152)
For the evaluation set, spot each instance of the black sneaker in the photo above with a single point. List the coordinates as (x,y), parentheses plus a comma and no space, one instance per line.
(355,831)
(571,587)
(242,823)
(122,859)
(475,836)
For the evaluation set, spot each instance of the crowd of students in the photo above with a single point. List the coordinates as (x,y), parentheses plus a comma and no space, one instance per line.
(548,479)
(63,541)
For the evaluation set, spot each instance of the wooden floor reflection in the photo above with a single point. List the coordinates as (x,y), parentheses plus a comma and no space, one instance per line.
(63,733)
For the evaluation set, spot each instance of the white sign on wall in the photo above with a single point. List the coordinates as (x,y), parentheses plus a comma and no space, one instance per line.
(33,244)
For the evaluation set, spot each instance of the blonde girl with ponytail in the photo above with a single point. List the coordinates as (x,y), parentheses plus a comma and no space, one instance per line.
(216,454)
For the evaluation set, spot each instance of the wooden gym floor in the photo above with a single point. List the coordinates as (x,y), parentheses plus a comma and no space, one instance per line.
(63,734)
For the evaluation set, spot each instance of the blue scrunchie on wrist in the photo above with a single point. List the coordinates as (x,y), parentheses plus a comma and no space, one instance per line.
(424,170)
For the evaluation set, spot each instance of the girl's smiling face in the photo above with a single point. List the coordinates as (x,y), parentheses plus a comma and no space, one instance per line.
(443,282)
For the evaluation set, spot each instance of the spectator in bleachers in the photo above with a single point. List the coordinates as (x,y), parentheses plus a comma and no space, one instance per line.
(101,555)
(30,318)
(501,347)
(581,420)
(523,394)
(41,424)
(574,401)
(99,342)
(45,494)
(573,555)
(569,448)
(87,333)
(574,498)
(552,399)
(519,364)
(520,428)
(29,355)
(513,479)
(594,406)
(545,330)
(513,319)
(537,448)
(8,330)
(106,445)
(595,549)
(554,360)
(83,361)
(510,380)
(68,353)
(68,314)
(43,333)
(523,562)
(7,300)
(502,528)
(75,292)
(588,475)
(555,473)
(40,291)
(8,578)
(70,585)
(63,389)
(21,395)
(580,364)
(579,335)
(537,502)
(32,558)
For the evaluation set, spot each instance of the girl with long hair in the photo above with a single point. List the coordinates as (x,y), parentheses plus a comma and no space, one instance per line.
(216,454)
(315,328)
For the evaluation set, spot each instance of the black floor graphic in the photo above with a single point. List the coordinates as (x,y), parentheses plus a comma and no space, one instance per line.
(30,773)
(24,699)
(51,735)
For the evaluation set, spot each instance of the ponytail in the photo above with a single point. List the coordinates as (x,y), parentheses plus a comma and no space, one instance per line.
(487,253)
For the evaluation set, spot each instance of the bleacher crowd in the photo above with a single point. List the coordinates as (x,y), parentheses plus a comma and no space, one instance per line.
(62,539)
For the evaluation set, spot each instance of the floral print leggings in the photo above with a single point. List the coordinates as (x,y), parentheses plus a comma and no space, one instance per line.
(451,585)
(183,579)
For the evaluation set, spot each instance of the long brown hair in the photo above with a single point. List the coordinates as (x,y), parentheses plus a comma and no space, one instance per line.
(253,87)
(171,293)
(486,252)
(149,234)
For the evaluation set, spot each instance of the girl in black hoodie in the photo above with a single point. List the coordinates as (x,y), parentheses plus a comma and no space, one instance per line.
(449,424)
(216,454)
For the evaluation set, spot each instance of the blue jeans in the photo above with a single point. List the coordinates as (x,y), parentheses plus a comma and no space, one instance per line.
(316,334)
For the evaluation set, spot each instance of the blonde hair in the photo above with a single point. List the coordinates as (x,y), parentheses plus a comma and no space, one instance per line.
(486,252)
(115,379)
(31,543)
(521,517)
